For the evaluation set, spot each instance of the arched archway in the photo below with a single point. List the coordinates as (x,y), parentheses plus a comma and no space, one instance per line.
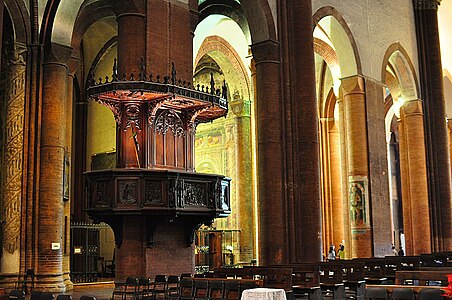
(228,142)
(336,57)
(407,171)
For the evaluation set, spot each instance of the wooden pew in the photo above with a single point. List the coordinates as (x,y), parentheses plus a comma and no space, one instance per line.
(374,270)
(353,278)
(331,279)
(423,277)
(305,280)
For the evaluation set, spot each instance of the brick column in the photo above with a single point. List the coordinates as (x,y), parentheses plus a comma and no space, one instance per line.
(354,99)
(51,205)
(334,212)
(416,220)
(1,31)
(67,175)
(272,221)
(301,111)
(449,126)
(432,92)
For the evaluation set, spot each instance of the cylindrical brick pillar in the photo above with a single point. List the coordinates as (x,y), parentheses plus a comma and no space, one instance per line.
(301,138)
(67,197)
(416,220)
(335,180)
(1,31)
(272,221)
(354,100)
(51,205)
(432,93)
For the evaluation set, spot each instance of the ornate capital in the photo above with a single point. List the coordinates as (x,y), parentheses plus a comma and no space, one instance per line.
(266,52)
(426,4)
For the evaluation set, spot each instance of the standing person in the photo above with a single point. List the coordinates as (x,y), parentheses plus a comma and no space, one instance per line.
(401,252)
(341,250)
(394,251)
(332,253)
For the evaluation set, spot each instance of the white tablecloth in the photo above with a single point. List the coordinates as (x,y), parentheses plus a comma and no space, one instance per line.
(264,294)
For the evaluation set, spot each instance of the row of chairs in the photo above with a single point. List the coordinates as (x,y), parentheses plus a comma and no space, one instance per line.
(382,293)
(212,289)
(145,288)
(184,288)
(35,295)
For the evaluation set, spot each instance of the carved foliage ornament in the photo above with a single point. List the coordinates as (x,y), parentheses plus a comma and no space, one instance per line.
(169,120)
(114,107)
(133,116)
(426,4)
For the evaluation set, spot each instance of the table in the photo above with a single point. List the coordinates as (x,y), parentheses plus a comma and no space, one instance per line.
(264,294)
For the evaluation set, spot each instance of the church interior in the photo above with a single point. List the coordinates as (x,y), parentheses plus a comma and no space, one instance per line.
(146,137)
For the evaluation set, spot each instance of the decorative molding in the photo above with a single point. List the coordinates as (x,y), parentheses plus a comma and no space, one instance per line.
(132,113)
(169,119)
(426,4)
(113,106)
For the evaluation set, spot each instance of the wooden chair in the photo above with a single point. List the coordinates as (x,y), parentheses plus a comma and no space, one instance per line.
(35,295)
(376,293)
(64,297)
(201,289)
(159,286)
(231,289)
(144,287)
(402,294)
(186,289)
(129,288)
(17,295)
(172,286)
(215,289)
(46,296)
(430,294)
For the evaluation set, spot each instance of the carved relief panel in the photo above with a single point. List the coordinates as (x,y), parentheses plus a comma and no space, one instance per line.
(127,190)
(195,193)
(153,193)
